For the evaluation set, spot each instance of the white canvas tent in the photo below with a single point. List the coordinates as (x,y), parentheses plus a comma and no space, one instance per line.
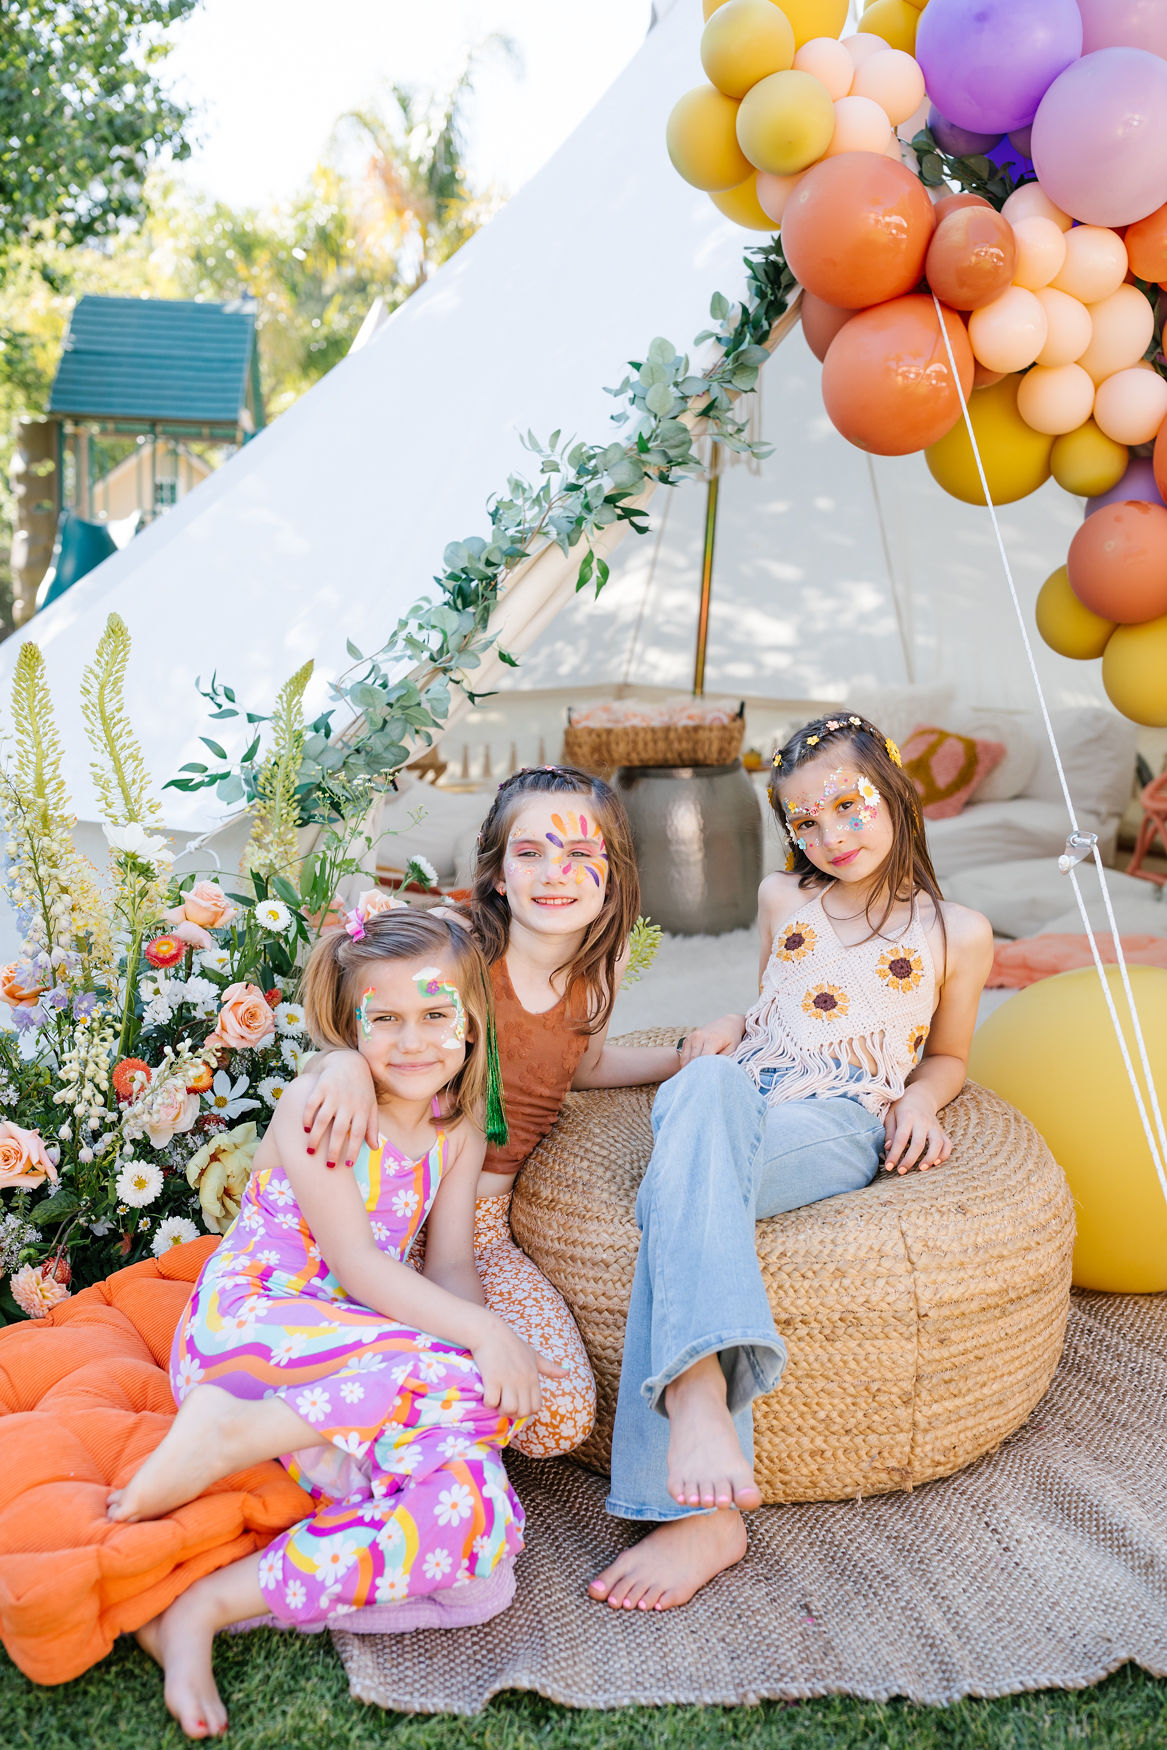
(830,570)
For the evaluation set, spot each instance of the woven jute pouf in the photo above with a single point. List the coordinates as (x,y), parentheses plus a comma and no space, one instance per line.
(923,1316)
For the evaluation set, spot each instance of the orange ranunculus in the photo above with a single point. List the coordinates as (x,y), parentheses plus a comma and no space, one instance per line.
(23,1158)
(130,1076)
(207,905)
(13,990)
(245,1020)
(201,1080)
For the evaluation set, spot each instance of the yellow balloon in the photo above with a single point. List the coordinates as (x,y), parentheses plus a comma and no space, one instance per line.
(1068,627)
(1051,1052)
(742,206)
(743,42)
(811,18)
(1087,462)
(785,123)
(1016,458)
(1134,672)
(701,138)
(895,21)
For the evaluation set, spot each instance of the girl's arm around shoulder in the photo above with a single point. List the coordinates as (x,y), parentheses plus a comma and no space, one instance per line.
(340,1108)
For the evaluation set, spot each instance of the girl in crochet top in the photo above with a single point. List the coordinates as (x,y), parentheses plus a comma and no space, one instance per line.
(870,982)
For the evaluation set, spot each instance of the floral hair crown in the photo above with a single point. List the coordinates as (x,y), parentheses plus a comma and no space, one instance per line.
(833,725)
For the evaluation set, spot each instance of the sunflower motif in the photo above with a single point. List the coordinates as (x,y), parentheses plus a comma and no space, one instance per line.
(826,1000)
(795,942)
(917,1039)
(900,969)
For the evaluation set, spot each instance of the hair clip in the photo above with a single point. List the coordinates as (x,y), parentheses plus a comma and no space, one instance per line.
(855,722)
(812,741)
(832,725)
(893,752)
(354,924)
(777,760)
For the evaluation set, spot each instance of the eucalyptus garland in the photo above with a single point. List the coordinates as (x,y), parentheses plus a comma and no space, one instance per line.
(401,693)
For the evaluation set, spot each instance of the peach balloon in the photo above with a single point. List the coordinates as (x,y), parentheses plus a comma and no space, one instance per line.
(862,44)
(1068,327)
(828,61)
(1117,562)
(952,203)
(1122,327)
(1030,201)
(1041,252)
(970,258)
(860,126)
(1131,406)
(1055,398)
(895,82)
(1008,334)
(774,192)
(887,383)
(821,322)
(1146,245)
(1095,263)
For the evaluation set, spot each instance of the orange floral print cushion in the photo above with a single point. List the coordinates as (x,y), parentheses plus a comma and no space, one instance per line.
(946,768)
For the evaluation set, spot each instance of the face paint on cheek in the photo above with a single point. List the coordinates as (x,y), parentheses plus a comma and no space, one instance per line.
(429,984)
(362,1012)
(868,807)
(575,826)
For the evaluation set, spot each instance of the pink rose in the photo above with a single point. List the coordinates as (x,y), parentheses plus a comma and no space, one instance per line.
(375,900)
(206,905)
(23,1160)
(245,1019)
(172,1110)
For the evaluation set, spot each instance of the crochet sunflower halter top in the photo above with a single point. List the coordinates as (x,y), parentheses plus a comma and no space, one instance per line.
(826,1010)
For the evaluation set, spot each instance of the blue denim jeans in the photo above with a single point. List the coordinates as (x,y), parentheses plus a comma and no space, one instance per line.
(722,1160)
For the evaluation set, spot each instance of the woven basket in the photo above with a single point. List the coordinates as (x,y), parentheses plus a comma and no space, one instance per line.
(923,1316)
(664,744)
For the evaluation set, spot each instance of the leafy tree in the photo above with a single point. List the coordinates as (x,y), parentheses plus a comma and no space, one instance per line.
(82,114)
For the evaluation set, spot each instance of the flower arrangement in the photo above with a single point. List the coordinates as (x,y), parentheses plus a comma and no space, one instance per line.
(152,1018)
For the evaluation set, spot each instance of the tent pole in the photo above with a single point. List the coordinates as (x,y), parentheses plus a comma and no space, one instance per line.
(711,493)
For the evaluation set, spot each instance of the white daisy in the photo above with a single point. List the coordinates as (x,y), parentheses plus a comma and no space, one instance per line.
(223,1096)
(393,1586)
(295,1595)
(454,1446)
(437,1564)
(314,1404)
(157,1012)
(289,1017)
(176,1230)
(138,1183)
(454,1504)
(295,1056)
(271,1088)
(273,914)
(268,1256)
(271,1568)
(431,1367)
(334,1557)
(352,1391)
(405,1202)
(420,868)
(215,960)
(280,1193)
(289,1348)
(352,1443)
(380,1232)
(370,1362)
(190,1371)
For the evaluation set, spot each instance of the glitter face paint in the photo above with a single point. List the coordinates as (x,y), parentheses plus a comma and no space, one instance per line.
(839,785)
(429,984)
(363,1013)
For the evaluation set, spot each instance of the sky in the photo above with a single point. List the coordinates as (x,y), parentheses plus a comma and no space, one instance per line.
(269,78)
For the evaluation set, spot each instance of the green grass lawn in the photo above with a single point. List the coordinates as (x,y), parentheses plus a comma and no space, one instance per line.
(289,1693)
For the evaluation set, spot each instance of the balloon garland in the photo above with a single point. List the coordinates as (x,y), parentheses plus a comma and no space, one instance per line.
(1049,264)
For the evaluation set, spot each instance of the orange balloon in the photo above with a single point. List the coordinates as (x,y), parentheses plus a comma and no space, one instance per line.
(821,322)
(856,229)
(1117,562)
(1146,246)
(1159,460)
(984,378)
(887,383)
(952,203)
(970,258)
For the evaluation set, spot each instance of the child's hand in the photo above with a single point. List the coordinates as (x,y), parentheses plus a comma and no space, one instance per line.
(717,1039)
(511,1370)
(341,1109)
(915,1136)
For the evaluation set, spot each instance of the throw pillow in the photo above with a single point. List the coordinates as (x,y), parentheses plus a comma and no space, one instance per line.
(946,768)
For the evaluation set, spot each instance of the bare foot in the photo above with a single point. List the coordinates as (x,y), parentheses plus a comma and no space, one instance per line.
(707,1467)
(186,1462)
(180,1640)
(672,1562)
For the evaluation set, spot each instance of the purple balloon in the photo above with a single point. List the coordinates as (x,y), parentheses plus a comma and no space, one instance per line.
(1124,24)
(1138,483)
(957,142)
(1022,138)
(1099,139)
(988,63)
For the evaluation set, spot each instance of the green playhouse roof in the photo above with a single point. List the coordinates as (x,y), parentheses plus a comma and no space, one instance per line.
(156,359)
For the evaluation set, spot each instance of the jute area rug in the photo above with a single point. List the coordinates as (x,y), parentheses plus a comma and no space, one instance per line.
(1042,1566)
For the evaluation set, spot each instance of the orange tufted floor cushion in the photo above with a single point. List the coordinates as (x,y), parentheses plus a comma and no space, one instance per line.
(84,1396)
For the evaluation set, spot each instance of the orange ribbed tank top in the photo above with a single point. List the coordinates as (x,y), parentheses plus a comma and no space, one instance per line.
(538,1056)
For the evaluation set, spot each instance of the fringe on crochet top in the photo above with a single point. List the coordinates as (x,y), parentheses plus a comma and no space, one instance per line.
(826,1008)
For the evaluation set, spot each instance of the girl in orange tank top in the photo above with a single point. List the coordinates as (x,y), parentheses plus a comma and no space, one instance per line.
(555,897)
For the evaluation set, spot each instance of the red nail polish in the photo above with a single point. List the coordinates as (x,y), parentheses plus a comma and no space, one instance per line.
(330,1163)
(311,1151)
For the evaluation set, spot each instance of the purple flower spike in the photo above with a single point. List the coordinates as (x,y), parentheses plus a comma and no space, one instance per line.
(57,998)
(27,1015)
(84,1004)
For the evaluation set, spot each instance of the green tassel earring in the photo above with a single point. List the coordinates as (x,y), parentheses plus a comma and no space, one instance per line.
(496,1118)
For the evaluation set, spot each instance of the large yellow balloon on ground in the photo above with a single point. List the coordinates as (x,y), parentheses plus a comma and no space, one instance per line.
(895,21)
(1087,462)
(1051,1052)
(1134,672)
(1016,458)
(786,123)
(743,42)
(742,206)
(1066,625)
(701,137)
